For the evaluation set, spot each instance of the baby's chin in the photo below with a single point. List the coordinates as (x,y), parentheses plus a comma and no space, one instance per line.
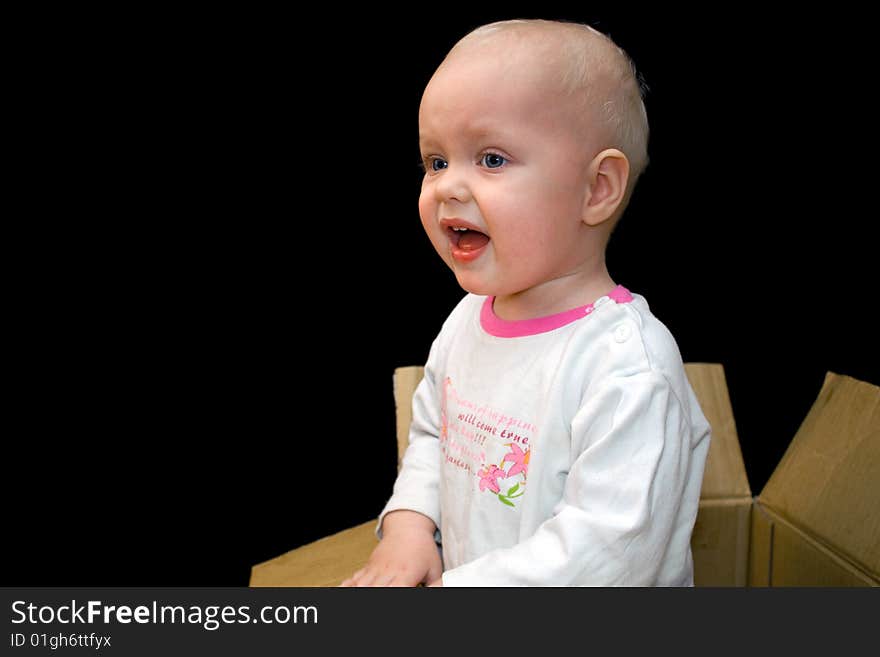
(470,283)
(474,278)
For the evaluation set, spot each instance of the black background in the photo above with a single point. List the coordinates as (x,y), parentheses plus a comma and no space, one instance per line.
(215,262)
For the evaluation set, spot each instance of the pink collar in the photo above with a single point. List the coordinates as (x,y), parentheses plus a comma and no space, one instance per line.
(502,328)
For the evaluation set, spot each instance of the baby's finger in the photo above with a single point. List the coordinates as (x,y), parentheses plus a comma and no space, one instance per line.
(352,581)
(365,578)
(375,576)
(384,579)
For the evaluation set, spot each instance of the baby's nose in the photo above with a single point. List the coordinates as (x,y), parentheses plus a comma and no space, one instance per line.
(453,185)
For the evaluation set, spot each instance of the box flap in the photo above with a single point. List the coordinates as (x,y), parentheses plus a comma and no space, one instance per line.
(325,562)
(406,379)
(725,474)
(783,555)
(720,542)
(828,482)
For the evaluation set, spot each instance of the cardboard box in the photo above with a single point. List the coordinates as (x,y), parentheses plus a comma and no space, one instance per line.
(817,522)
(720,542)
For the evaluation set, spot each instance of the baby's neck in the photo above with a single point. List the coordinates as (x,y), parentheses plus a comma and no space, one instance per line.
(553,297)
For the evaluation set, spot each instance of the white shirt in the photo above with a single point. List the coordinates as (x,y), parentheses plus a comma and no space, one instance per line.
(562,451)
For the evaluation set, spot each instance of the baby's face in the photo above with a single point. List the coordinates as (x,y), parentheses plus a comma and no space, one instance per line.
(506,174)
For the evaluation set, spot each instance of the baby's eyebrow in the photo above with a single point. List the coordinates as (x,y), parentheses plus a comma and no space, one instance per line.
(481,130)
(426,141)
(475,132)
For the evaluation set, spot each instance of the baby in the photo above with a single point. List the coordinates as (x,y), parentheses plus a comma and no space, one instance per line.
(555,438)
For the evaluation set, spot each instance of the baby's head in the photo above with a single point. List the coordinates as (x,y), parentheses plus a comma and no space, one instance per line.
(533,134)
(579,65)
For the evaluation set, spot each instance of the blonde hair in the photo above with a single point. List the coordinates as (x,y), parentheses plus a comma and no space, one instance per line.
(593,69)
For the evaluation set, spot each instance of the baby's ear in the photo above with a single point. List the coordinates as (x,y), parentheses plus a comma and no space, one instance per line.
(608,175)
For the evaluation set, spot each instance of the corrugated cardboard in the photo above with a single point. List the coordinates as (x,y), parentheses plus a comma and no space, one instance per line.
(406,380)
(325,562)
(720,542)
(817,521)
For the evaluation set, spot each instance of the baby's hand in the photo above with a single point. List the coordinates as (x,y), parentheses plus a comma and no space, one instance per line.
(406,556)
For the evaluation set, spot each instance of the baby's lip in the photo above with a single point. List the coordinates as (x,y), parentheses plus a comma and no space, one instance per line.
(466,240)
(454,222)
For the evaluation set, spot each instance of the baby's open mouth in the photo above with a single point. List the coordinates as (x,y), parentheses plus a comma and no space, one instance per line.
(467,240)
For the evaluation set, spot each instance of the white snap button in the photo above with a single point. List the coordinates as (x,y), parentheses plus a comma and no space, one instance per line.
(622,333)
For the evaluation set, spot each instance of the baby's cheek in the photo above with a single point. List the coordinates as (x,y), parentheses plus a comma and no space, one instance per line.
(427,209)
(435,232)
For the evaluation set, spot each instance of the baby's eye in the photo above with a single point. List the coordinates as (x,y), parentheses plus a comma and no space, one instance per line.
(493,160)
(436,164)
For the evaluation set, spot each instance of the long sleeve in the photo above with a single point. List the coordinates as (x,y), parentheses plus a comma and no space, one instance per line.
(417,487)
(629,500)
